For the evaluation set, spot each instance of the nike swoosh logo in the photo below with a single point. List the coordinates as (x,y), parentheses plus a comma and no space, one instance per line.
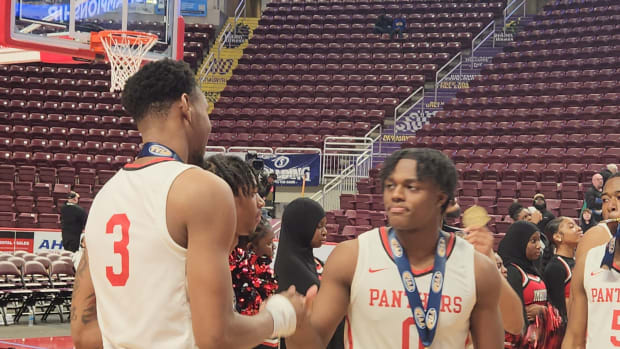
(371,270)
(593,273)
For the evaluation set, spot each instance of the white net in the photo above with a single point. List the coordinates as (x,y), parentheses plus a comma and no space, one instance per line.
(125,51)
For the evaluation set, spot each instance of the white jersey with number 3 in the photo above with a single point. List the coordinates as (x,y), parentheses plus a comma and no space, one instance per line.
(602,288)
(138,271)
(379,315)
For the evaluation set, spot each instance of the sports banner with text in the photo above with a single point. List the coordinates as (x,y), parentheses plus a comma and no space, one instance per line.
(291,169)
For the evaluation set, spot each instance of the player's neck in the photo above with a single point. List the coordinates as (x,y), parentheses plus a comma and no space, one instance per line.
(419,244)
(566,251)
(171,140)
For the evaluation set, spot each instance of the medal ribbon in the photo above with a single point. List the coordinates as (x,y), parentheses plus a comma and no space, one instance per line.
(425,320)
(608,259)
(159,150)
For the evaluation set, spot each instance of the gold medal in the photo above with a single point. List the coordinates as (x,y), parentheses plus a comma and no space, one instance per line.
(475,216)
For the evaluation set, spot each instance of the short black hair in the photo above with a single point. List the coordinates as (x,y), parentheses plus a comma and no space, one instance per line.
(156,86)
(514,210)
(241,178)
(432,165)
(615,175)
(72,195)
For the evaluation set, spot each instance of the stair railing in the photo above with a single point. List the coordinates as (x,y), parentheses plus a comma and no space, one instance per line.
(403,108)
(438,81)
(491,29)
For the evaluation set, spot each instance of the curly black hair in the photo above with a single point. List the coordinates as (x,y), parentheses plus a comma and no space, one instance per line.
(239,175)
(432,165)
(156,86)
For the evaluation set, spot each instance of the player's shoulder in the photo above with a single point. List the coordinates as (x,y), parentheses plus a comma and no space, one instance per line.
(200,182)
(196,188)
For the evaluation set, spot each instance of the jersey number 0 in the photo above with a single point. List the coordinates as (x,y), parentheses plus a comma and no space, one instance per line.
(120,247)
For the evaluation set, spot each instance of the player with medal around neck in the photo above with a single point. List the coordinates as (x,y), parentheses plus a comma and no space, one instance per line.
(418,184)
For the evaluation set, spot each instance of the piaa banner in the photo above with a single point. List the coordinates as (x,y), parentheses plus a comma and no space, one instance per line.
(291,169)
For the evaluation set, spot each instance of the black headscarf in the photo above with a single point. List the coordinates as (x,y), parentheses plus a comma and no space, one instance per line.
(513,245)
(294,260)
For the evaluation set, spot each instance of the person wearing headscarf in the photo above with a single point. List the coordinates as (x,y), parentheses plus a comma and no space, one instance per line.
(303,228)
(520,249)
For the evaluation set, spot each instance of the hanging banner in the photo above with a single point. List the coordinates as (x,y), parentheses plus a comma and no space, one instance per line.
(292,168)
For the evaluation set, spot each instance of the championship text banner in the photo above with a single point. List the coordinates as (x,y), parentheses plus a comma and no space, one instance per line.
(291,169)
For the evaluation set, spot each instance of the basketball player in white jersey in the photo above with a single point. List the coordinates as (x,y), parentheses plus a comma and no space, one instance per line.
(362,279)
(155,272)
(594,310)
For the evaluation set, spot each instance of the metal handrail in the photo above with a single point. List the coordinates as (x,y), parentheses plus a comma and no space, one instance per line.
(225,35)
(397,116)
(239,9)
(295,150)
(369,133)
(439,81)
(206,68)
(215,149)
(258,150)
(362,156)
(508,15)
(378,138)
(473,41)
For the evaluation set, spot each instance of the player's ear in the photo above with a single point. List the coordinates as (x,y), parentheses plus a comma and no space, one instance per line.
(185,107)
(442,198)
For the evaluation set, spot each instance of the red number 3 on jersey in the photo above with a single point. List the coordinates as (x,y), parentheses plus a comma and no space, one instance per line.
(120,247)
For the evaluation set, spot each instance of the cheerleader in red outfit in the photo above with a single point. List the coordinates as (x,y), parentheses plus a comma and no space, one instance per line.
(252,275)
(519,249)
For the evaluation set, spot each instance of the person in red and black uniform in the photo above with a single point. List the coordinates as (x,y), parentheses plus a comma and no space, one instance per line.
(519,249)
(564,234)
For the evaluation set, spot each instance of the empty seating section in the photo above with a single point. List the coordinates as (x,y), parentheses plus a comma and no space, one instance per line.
(61,129)
(318,69)
(543,117)
(40,283)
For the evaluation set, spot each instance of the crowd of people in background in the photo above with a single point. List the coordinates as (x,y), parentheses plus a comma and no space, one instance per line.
(211,284)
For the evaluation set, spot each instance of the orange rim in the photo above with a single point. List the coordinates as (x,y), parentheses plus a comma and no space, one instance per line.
(132,36)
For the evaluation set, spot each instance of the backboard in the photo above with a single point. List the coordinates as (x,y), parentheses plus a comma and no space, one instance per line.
(64,26)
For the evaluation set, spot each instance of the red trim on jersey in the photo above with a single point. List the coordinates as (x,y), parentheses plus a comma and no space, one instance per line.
(349,333)
(383,233)
(135,166)
(569,273)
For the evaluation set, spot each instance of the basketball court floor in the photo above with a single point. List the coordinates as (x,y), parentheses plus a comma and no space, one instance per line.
(50,335)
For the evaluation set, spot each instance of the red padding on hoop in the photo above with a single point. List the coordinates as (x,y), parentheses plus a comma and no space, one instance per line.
(180,38)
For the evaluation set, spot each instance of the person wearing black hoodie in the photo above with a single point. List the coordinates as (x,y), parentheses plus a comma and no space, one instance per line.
(541,205)
(303,228)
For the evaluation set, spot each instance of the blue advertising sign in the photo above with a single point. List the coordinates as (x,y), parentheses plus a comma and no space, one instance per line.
(292,168)
(195,8)
(59,12)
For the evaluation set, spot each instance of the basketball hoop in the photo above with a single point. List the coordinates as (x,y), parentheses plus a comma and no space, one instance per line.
(124,50)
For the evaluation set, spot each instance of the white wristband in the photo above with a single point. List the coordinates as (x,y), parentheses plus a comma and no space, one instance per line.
(283,314)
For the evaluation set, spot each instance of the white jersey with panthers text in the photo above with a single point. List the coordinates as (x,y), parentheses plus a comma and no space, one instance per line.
(602,288)
(379,315)
(138,271)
